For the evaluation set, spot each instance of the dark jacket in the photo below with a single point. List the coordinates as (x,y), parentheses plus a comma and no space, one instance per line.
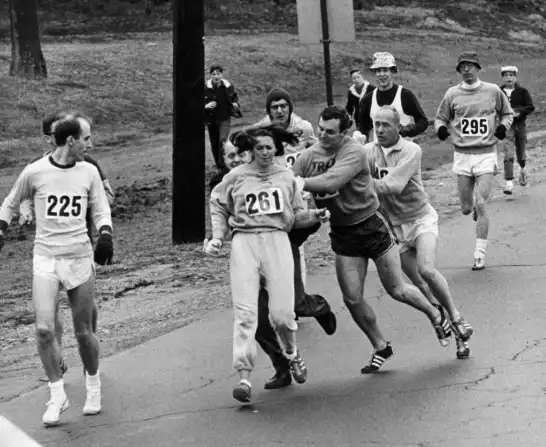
(225,96)
(520,101)
(353,99)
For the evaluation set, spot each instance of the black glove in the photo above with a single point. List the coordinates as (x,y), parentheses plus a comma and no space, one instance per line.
(104,251)
(443,133)
(406,130)
(500,133)
(2,239)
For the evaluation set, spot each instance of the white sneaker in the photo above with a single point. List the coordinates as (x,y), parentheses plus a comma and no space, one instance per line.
(509,187)
(55,407)
(93,401)
(479,264)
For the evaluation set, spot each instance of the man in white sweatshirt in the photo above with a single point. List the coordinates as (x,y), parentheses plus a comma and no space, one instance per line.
(395,164)
(478,114)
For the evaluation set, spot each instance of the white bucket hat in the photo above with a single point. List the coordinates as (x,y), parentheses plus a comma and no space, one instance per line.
(511,68)
(383,60)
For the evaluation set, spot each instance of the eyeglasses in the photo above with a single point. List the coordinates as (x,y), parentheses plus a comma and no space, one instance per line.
(279,106)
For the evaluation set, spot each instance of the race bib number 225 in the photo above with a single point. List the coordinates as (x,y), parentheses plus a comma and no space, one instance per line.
(472,127)
(265,201)
(59,207)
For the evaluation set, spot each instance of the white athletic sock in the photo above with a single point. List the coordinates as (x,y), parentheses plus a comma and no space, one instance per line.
(92,381)
(57,388)
(291,356)
(481,248)
(510,183)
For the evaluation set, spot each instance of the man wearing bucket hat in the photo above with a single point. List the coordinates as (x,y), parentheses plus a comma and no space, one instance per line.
(412,117)
(479,115)
(522,104)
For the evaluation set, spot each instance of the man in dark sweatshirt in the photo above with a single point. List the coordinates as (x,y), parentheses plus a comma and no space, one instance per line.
(358,89)
(522,104)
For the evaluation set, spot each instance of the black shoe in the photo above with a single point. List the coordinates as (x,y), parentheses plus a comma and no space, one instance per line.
(328,322)
(279,380)
(378,359)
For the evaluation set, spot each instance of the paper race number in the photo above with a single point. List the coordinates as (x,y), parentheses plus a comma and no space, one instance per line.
(472,127)
(291,159)
(63,207)
(265,201)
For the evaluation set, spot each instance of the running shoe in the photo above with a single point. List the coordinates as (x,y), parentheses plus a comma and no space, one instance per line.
(479,264)
(55,406)
(242,391)
(508,188)
(522,178)
(463,350)
(463,329)
(93,401)
(281,379)
(298,368)
(443,329)
(378,359)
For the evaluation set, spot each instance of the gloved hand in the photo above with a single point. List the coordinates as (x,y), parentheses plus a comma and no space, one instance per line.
(213,247)
(104,251)
(405,130)
(443,133)
(500,133)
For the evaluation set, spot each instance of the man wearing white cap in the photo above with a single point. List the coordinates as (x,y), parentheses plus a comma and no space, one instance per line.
(522,104)
(412,117)
(478,114)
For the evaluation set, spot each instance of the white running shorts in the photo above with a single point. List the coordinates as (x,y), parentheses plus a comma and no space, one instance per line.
(408,233)
(69,272)
(474,165)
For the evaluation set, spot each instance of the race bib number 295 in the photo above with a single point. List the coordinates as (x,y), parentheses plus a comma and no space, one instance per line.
(473,127)
(265,201)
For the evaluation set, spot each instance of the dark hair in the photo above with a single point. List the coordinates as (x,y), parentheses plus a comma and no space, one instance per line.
(70,127)
(47,123)
(337,113)
(354,70)
(216,67)
(247,139)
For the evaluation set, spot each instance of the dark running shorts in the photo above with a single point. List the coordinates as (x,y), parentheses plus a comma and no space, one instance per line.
(370,239)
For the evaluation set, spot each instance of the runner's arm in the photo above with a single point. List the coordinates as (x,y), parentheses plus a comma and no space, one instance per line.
(345,168)
(398,177)
(219,213)
(350,107)
(444,114)
(411,107)
(506,114)
(364,123)
(527,107)
(21,190)
(98,204)
(105,182)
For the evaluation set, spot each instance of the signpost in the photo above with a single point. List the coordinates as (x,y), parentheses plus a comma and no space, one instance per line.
(326,21)
(188,184)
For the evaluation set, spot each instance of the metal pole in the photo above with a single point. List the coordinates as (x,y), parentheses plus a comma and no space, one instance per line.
(188,185)
(326,46)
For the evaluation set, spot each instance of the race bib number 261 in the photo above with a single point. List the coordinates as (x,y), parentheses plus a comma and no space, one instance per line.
(473,127)
(265,201)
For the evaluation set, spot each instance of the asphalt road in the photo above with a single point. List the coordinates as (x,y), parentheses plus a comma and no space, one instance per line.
(176,390)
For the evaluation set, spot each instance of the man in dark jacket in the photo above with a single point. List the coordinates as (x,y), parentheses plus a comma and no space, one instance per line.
(221,103)
(359,88)
(522,104)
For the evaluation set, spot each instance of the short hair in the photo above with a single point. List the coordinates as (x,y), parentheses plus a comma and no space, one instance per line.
(49,121)
(216,67)
(392,109)
(354,70)
(68,127)
(337,113)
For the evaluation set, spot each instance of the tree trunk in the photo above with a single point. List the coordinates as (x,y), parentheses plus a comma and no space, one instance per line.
(27,59)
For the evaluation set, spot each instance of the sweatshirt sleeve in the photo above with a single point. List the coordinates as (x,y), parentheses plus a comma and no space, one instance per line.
(365,123)
(345,168)
(444,114)
(219,213)
(506,114)
(98,202)
(349,106)
(307,138)
(399,176)
(412,107)
(21,190)
(527,107)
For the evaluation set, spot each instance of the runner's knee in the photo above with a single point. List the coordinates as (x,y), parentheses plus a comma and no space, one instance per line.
(427,272)
(480,206)
(351,300)
(44,333)
(84,336)
(466,208)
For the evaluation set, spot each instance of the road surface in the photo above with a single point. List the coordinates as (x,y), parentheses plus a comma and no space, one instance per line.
(176,390)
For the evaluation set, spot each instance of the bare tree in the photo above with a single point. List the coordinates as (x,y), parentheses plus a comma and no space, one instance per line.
(27,59)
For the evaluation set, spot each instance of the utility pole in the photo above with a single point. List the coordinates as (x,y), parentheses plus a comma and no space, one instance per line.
(188,183)
(326,48)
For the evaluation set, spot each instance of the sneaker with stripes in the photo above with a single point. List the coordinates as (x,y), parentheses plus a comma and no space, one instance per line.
(463,350)
(378,358)
(463,329)
(443,329)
